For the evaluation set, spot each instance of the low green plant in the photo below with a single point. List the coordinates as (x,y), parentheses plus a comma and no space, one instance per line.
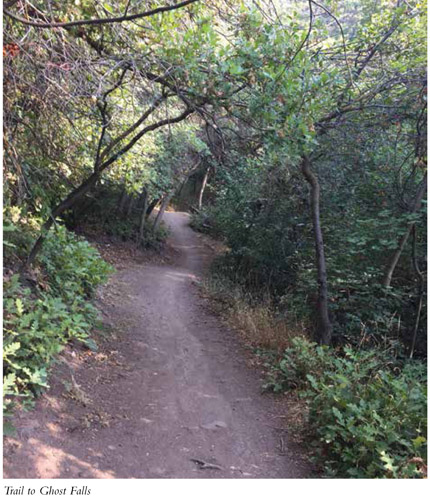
(303,358)
(201,221)
(38,324)
(73,267)
(126,227)
(366,410)
(155,239)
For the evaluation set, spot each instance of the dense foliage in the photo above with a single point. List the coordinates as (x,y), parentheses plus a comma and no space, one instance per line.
(367,413)
(38,323)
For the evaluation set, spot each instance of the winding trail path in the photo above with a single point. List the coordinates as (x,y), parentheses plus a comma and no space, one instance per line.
(172,398)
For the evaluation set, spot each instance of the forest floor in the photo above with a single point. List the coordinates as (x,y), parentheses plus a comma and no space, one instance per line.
(171,393)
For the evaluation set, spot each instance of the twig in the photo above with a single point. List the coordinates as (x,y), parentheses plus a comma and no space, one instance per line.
(205,465)
(108,20)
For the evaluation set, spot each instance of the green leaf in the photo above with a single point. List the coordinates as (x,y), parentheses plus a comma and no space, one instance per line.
(91,344)
(419,441)
(19,307)
(338,415)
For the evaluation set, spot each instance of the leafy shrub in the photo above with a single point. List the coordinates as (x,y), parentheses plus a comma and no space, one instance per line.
(202,221)
(155,239)
(124,229)
(73,266)
(303,358)
(19,231)
(367,412)
(37,325)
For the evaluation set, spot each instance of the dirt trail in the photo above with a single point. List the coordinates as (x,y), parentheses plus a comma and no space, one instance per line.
(171,398)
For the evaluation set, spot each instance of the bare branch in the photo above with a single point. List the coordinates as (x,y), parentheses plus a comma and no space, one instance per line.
(133,127)
(108,20)
(144,131)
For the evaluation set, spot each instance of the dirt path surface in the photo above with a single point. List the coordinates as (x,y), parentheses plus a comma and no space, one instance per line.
(169,396)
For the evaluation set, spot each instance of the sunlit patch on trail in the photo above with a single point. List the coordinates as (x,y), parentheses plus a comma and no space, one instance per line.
(51,462)
(179,276)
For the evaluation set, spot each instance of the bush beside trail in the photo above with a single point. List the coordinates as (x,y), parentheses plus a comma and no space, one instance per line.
(39,321)
(367,413)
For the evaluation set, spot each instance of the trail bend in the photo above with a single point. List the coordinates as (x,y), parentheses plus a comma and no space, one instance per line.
(179,400)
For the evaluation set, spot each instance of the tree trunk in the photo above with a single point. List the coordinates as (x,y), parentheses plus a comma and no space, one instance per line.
(324,325)
(202,188)
(122,200)
(67,203)
(151,206)
(402,242)
(130,206)
(421,284)
(143,215)
(163,206)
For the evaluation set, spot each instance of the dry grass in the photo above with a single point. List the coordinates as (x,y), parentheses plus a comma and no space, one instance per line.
(261,328)
(258,324)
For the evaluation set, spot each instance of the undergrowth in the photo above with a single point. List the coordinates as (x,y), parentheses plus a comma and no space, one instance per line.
(364,409)
(39,321)
(128,230)
(105,216)
(258,319)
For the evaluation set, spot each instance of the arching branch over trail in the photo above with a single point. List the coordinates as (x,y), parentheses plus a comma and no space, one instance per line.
(98,22)
(90,182)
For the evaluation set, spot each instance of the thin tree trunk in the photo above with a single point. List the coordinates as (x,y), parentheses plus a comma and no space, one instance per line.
(402,242)
(420,290)
(324,325)
(163,207)
(143,215)
(67,203)
(182,187)
(122,200)
(151,206)
(202,188)
(130,206)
